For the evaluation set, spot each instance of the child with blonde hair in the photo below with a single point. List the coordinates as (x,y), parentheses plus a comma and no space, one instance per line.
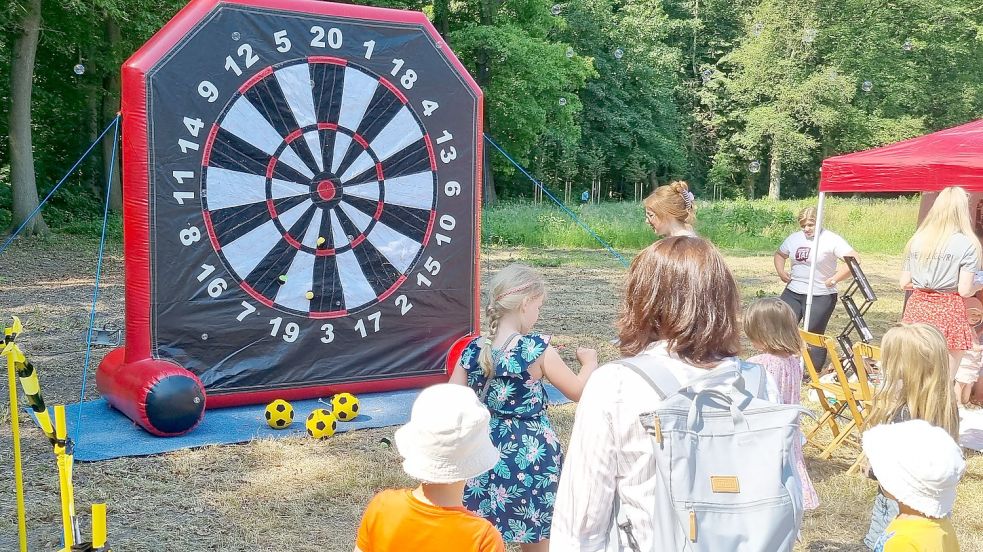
(771,326)
(914,362)
(506,369)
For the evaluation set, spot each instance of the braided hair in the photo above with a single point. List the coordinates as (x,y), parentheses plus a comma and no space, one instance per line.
(508,290)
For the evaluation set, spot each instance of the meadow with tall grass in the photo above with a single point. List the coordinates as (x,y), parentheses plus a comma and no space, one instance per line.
(759,226)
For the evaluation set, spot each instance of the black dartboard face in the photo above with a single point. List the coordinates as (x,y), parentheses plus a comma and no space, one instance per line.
(312,200)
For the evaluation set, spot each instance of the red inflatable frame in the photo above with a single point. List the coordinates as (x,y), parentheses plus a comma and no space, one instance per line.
(115,378)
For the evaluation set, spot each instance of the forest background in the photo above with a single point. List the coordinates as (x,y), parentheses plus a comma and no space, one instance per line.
(742,98)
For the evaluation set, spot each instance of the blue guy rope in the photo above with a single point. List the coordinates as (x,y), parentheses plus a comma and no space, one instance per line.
(95,291)
(37,209)
(559,203)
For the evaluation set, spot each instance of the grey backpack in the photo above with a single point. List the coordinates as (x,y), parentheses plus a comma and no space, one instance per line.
(724,456)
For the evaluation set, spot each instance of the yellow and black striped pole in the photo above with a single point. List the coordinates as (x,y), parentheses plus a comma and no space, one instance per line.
(14,355)
(19,367)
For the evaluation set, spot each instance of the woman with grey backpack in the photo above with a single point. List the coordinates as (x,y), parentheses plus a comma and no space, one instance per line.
(676,447)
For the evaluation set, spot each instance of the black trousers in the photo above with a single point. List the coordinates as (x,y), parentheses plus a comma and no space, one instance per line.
(822,309)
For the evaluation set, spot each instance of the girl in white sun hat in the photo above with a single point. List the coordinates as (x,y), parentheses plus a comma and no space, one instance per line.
(444,444)
(919,465)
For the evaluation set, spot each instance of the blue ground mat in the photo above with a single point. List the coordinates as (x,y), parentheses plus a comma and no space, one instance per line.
(106,433)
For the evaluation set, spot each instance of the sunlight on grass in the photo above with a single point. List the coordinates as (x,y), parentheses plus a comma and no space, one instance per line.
(870,225)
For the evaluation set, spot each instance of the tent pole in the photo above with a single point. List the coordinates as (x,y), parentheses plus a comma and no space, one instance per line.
(812,259)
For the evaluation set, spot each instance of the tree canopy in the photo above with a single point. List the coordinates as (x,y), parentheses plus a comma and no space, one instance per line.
(740,97)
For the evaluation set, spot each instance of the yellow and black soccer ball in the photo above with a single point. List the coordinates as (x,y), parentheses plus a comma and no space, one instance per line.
(345,407)
(279,414)
(321,424)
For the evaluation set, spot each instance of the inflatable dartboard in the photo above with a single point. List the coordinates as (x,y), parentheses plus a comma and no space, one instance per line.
(300,202)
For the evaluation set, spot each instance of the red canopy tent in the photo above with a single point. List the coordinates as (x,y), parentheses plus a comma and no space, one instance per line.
(951,157)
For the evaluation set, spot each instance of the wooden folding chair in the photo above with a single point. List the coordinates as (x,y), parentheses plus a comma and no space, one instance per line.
(862,352)
(842,392)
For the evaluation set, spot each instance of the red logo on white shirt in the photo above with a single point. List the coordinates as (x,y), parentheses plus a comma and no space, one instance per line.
(802,254)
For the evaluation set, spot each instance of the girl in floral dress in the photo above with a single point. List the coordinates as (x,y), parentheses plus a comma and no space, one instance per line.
(506,370)
(772,327)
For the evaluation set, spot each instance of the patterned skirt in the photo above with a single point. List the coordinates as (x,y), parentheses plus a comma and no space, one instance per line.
(944,310)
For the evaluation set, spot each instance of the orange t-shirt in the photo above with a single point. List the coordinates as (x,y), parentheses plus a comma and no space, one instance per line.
(395,520)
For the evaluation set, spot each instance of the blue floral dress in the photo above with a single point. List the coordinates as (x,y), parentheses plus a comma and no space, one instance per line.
(517,495)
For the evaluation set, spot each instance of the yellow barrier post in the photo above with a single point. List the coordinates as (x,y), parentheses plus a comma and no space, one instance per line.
(12,353)
(64,457)
(99,530)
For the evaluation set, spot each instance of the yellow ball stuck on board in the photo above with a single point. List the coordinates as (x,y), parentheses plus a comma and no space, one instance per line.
(345,406)
(309,295)
(321,424)
(279,414)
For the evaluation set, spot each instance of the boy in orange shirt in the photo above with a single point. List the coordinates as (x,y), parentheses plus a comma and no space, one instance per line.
(444,444)
(919,465)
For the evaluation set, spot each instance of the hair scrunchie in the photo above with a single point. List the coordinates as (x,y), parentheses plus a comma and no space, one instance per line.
(688,198)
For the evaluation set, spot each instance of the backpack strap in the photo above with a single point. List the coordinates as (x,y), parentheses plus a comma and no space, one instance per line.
(659,377)
(755,379)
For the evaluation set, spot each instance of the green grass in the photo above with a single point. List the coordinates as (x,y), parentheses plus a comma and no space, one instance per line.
(870,225)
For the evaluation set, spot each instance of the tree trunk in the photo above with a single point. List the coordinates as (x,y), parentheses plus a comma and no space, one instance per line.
(91,175)
(25,189)
(441,16)
(775,174)
(486,16)
(488,195)
(110,107)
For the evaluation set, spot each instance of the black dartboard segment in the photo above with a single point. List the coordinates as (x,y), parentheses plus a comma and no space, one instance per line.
(312,173)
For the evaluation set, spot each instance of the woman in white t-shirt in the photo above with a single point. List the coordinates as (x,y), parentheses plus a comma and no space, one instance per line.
(665,321)
(799,248)
(940,261)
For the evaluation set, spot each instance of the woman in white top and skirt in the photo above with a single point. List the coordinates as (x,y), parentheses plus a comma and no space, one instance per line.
(799,248)
(667,320)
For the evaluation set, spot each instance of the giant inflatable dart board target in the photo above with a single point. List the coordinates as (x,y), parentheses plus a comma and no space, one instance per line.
(300,204)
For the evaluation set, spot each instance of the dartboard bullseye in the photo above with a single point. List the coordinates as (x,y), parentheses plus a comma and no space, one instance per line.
(300,180)
(340,184)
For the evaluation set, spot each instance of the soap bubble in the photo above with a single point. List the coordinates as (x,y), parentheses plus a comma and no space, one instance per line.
(619,53)
(236,35)
(79,69)
(754,166)
(555,10)
(570,52)
(563,101)
(867,86)
(809,36)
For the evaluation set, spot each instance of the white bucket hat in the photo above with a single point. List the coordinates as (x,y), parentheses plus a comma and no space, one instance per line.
(446,439)
(918,463)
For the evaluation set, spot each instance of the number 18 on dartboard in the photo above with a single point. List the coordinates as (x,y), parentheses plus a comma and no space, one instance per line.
(308,182)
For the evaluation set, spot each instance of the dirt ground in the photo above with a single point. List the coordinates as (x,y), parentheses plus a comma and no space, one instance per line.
(298,494)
